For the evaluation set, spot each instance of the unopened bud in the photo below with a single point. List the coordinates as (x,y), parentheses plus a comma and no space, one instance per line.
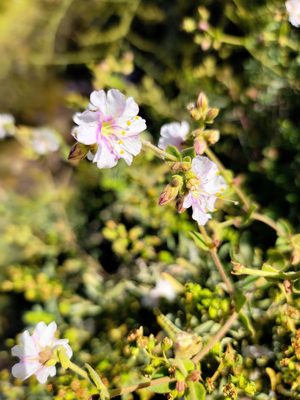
(170,193)
(187,345)
(181,166)
(212,113)
(202,102)
(177,181)
(78,152)
(200,145)
(167,343)
(179,205)
(195,113)
(180,386)
(212,136)
(194,376)
(134,335)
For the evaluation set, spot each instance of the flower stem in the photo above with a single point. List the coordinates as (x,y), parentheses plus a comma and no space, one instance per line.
(78,370)
(129,389)
(157,151)
(218,263)
(219,335)
(243,197)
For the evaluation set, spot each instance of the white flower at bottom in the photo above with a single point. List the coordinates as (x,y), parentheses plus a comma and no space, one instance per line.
(207,185)
(111,125)
(293,9)
(37,353)
(173,134)
(7,125)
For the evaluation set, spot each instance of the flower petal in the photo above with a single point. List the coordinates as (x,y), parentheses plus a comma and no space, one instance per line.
(98,100)
(86,133)
(116,103)
(44,372)
(24,370)
(105,156)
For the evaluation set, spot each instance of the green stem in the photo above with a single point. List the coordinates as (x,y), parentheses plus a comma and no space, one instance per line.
(121,391)
(78,370)
(215,339)
(243,197)
(157,151)
(267,274)
(218,263)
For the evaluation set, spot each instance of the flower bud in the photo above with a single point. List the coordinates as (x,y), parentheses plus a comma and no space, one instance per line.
(212,113)
(212,136)
(194,376)
(200,145)
(187,345)
(202,103)
(179,204)
(167,343)
(180,387)
(78,152)
(170,193)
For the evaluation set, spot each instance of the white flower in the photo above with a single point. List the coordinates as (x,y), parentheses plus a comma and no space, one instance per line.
(7,125)
(293,9)
(173,134)
(112,125)
(44,140)
(206,186)
(37,353)
(163,289)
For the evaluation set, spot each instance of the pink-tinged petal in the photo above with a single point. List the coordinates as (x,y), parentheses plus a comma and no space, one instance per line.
(44,334)
(28,344)
(204,168)
(86,133)
(105,156)
(116,103)
(44,372)
(86,117)
(131,108)
(215,185)
(98,100)
(173,134)
(24,370)
(188,201)
(64,343)
(132,145)
(199,216)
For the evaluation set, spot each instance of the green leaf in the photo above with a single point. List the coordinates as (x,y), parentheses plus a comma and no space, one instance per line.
(200,241)
(162,388)
(196,391)
(173,150)
(246,322)
(189,152)
(239,300)
(63,357)
(95,378)
(188,365)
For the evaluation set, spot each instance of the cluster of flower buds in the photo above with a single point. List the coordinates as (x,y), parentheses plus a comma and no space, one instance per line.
(201,111)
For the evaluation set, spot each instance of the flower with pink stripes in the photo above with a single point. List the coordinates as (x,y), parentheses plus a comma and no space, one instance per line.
(205,185)
(111,126)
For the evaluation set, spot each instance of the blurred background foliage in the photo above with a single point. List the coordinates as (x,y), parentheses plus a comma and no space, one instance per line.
(84,247)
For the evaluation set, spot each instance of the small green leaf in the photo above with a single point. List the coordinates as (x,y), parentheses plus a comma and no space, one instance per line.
(173,150)
(95,378)
(247,323)
(200,241)
(196,391)
(162,388)
(239,300)
(189,152)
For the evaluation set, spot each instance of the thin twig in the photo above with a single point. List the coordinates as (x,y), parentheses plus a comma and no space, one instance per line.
(219,335)
(218,263)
